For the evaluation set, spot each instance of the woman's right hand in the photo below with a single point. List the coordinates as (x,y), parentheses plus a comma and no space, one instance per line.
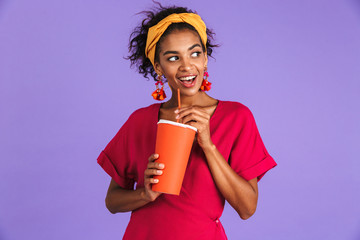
(153,169)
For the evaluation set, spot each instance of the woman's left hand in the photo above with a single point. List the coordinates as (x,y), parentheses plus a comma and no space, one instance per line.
(199,118)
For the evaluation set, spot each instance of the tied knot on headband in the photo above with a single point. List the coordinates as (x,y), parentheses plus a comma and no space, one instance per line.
(155,32)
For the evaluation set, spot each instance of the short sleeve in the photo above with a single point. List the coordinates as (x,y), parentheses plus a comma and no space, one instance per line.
(115,159)
(249,157)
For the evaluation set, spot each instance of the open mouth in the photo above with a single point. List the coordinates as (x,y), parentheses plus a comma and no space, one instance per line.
(187,81)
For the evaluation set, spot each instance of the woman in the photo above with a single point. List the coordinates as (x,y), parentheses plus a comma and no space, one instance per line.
(228,157)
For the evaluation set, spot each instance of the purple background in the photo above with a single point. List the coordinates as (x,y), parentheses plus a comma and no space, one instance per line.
(65,90)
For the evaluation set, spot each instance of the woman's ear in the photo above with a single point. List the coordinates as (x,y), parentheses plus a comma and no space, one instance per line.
(158,68)
(206,58)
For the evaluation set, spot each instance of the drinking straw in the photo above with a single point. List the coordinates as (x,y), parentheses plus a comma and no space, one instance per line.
(179,103)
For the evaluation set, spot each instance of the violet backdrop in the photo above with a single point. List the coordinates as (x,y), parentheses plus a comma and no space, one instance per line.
(65,90)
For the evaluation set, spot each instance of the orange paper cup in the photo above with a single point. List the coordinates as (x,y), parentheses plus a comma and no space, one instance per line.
(173,144)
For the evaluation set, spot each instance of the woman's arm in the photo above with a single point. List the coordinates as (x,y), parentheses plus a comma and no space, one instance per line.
(119,199)
(242,195)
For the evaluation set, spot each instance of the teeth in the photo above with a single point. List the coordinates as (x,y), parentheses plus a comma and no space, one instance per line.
(187,78)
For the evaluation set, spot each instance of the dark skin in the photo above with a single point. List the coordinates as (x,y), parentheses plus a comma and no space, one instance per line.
(181,56)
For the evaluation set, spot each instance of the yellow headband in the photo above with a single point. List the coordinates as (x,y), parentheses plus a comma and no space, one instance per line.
(155,32)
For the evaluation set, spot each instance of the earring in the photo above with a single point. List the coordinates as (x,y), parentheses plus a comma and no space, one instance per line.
(206,85)
(159,93)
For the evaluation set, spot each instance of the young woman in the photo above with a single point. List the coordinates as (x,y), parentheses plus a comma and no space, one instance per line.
(228,157)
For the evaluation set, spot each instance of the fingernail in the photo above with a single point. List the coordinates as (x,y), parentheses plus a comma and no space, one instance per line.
(176,111)
(159,172)
(156,155)
(156,180)
(177,116)
(161,165)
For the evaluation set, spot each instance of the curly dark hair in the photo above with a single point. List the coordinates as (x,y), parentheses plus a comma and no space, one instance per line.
(138,37)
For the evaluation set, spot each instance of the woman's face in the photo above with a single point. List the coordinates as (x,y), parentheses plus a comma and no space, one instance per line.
(182,61)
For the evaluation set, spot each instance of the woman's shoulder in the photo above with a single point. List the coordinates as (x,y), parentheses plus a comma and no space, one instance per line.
(144,115)
(236,113)
(146,111)
(234,107)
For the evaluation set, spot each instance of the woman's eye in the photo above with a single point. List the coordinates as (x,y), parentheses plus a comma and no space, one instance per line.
(173,58)
(195,54)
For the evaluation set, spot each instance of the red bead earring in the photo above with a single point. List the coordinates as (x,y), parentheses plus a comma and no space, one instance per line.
(159,93)
(206,85)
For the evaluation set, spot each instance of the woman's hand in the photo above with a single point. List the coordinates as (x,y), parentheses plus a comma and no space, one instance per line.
(153,169)
(199,118)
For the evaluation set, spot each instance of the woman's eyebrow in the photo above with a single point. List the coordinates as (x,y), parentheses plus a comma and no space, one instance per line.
(195,45)
(170,52)
(176,52)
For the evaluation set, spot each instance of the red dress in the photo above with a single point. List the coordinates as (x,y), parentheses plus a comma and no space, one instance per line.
(195,213)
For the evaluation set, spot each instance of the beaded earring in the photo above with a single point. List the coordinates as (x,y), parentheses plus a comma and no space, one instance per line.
(206,85)
(159,93)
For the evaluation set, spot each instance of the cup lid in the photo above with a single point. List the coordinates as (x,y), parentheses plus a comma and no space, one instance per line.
(177,124)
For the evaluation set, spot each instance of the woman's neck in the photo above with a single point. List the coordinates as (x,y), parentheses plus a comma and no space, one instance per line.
(200,99)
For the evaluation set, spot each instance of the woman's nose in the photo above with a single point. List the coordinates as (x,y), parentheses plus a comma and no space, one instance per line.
(185,64)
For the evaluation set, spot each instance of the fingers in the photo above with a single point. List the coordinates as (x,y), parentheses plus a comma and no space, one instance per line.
(189,114)
(155,165)
(153,157)
(153,169)
(187,110)
(199,118)
(148,181)
(193,117)
(153,172)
